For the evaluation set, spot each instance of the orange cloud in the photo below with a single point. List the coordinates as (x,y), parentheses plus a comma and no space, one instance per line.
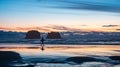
(60,28)
(65,28)
(25,29)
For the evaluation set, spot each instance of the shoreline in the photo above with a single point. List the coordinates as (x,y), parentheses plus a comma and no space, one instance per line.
(66,43)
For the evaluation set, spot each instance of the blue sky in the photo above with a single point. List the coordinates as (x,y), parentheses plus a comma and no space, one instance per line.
(70,15)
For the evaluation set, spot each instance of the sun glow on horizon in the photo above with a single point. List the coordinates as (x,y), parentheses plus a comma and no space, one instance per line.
(58,28)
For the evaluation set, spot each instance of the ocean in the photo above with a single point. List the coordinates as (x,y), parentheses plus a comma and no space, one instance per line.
(94,38)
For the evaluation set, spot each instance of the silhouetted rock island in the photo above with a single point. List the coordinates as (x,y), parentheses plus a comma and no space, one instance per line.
(54,35)
(32,34)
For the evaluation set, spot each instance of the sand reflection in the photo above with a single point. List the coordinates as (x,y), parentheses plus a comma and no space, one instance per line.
(65,50)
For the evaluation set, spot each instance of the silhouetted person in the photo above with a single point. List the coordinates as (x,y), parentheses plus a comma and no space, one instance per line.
(42,43)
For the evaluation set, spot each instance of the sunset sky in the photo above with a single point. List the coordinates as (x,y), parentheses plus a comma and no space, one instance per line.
(60,15)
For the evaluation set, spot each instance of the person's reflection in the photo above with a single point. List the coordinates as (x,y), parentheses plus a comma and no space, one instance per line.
(42,43)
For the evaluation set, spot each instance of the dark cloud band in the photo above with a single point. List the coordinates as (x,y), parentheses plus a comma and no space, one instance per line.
(110,25)
(86,5)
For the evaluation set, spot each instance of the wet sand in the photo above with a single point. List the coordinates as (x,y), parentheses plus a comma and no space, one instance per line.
(31,53)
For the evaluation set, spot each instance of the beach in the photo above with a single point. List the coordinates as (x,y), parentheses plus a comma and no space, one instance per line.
(57,55)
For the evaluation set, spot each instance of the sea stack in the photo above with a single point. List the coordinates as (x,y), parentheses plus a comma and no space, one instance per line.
(32,34)
(54,35)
